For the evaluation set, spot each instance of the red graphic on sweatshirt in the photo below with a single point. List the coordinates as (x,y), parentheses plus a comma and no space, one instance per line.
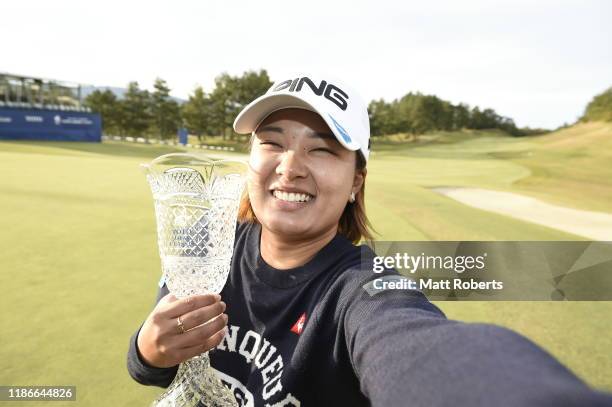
(298,327)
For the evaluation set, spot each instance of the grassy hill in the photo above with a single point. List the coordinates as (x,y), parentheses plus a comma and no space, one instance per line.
(570,167)
(80,262)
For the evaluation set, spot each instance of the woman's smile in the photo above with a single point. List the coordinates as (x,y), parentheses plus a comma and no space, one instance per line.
(290,201)
(290,198)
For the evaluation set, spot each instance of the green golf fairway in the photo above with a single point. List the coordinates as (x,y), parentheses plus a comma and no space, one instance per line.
(80,263)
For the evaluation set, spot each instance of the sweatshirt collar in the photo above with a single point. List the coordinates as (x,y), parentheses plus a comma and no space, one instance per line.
(295,276)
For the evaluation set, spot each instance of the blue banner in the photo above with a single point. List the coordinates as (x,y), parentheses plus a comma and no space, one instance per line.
(52,125)
(182,136)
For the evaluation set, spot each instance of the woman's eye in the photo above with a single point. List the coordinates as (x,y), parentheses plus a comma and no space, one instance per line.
(325,150)
(270,143)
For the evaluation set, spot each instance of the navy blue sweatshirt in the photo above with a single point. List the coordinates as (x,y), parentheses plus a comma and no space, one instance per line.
(313,336)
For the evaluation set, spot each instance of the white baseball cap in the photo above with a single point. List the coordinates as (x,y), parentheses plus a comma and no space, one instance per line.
(341,107)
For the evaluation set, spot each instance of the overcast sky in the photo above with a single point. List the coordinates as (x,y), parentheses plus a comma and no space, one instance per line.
(538,62)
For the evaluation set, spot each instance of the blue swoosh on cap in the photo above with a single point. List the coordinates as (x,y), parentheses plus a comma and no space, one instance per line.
(341,130)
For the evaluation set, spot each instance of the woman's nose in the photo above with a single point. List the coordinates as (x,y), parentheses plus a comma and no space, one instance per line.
(291,166)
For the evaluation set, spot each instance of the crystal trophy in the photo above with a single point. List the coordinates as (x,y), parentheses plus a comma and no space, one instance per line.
(196,205)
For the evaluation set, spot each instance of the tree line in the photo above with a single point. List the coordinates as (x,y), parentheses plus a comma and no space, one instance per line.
(416,113)
(141,113)
(155,114)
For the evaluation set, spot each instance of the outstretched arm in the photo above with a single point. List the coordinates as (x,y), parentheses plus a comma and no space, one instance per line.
(405,352)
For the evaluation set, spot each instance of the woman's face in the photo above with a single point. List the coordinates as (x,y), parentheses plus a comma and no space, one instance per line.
(300,177)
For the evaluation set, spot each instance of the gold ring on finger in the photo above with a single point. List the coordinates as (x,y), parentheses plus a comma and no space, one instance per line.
(180,325)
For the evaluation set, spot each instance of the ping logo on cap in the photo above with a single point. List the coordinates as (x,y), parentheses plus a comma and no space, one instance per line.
(330,91)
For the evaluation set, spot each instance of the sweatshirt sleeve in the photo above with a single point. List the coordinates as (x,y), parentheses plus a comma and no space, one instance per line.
(405,352)
(139,370)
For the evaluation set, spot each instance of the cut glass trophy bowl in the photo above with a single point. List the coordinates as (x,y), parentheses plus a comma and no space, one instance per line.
(196,205)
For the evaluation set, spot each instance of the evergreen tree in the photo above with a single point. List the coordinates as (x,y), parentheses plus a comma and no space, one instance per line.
(136,106)
(196,113)
(165,111)
(106,104)
(232,93)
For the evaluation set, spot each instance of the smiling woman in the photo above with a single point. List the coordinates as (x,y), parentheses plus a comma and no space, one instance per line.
(303,185)
(300,327)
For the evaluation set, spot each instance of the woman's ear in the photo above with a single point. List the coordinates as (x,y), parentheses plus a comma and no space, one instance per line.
(358,180)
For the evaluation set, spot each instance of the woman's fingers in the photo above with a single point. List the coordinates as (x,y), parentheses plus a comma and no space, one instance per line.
(201,335)
(162,344)
(202,315)
(198,349)
(172,308)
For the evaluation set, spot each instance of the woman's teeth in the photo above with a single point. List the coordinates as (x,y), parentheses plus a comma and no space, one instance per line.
(291,196)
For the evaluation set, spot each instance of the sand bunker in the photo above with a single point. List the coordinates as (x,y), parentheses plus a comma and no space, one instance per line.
(593,225)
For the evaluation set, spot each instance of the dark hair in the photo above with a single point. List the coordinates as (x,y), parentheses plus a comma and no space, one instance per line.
(353,223)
